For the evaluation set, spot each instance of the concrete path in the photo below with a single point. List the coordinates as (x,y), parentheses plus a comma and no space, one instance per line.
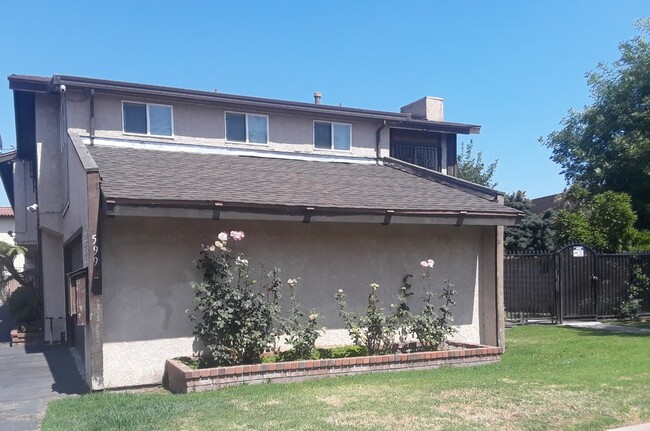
(30,377)
(607,327)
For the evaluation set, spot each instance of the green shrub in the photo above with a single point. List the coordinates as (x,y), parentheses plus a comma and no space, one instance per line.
(375,329)
(301,333)
(235,319)
(343,352)
(630,308)
(25,305)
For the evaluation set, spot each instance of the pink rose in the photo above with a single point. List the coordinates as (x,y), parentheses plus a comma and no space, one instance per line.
(237,235)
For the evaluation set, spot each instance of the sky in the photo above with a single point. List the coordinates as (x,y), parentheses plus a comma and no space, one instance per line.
(513,67)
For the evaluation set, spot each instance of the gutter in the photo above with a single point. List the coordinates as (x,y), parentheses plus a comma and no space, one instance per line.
(302,210)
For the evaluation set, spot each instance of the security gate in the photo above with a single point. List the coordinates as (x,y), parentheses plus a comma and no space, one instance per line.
(574,282)
(578,287)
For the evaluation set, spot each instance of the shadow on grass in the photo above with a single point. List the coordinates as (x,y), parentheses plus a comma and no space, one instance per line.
(610,331)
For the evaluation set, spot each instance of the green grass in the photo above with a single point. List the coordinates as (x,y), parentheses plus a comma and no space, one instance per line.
(550,378)
(643,324)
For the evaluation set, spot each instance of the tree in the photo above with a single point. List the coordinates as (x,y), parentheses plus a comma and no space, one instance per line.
(8,254)
(606,146)
(604,222)
(471,167)
(26,302)
(534,233)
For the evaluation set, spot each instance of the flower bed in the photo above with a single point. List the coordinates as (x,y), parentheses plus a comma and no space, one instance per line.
(182,379)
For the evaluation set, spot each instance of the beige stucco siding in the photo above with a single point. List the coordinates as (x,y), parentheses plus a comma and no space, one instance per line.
(75,219)
(24,196)
(147,266)
(196,124)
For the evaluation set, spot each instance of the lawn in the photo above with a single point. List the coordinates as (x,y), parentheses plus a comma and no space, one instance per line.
(550,378)
(643,324)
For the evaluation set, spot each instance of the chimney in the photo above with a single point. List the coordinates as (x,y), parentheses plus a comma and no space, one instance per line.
(317,96)
(427,108)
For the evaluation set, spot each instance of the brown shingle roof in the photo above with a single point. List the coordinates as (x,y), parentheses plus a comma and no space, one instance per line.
(151,175)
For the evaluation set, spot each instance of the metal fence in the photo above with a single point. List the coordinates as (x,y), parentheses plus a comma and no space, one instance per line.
(574,282)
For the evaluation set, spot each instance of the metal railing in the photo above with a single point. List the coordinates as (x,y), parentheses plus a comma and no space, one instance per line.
(574,282)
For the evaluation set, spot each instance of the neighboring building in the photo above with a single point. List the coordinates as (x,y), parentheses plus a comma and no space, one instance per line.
(7,225)
(7,228)
(545,203)
(129,180)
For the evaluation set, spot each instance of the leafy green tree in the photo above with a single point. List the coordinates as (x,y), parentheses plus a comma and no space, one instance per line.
(26,302)
(8,254)
(472,168)
(534,233)
(606,146)
(605,222)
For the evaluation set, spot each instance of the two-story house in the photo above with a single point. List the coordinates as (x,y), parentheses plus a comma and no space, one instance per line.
(117,185)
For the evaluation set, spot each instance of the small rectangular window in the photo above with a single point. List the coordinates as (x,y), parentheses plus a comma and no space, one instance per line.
(249,128)
(147,119)
(135,118)
(332,136)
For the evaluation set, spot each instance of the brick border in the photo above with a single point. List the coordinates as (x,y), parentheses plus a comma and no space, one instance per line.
(183,379)
(25,338)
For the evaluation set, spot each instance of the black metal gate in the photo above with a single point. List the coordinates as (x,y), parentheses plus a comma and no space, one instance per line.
(574,282)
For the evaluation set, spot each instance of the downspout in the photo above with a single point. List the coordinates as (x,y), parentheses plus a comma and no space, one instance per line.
(378,140)
(92,117)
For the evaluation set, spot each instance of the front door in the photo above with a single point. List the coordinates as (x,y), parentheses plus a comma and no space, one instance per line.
(77,309)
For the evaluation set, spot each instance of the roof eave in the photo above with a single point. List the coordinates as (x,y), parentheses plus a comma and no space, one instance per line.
(453,216)
(440,126)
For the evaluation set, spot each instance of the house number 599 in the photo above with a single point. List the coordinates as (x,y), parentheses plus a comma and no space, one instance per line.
(95,250)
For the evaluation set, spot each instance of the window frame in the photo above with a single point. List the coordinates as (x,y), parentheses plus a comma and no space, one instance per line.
(147,118)
(332,124)
(246,115)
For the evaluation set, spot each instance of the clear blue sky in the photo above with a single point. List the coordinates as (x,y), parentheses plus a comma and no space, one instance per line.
(514,67)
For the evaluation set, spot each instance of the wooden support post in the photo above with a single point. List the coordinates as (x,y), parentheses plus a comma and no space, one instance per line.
(95,364)
(500,303)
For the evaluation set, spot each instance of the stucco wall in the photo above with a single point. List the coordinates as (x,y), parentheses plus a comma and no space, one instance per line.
(76,216)
(53,283)
(61,178)
(49,162)
(205,125)
(24,196)
(147,266)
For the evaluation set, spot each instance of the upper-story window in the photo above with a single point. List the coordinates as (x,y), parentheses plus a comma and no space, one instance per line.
(147,119)
(332,136)
(249,128)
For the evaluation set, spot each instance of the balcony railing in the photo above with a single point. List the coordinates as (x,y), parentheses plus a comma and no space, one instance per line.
(421,155)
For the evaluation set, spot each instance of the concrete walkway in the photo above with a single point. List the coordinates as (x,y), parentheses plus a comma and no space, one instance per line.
(607,327)
(30,377)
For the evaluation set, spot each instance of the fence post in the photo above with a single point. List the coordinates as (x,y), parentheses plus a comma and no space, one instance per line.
(559,301)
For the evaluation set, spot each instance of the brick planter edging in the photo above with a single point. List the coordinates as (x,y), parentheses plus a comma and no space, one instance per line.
(25,338)
(183,379)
